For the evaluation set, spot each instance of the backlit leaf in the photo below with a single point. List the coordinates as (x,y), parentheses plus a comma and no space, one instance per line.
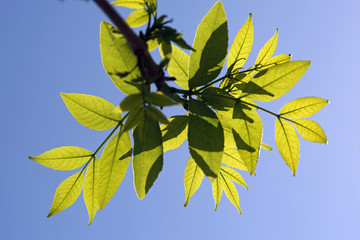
(217,189)
(230,191)
(274,82)
(113,165)
(276,60)
(206,138)
(137,18)
(310,130)
(135,4)
(64,158)
(288,144)
(156,114)
(132,101)
(192,179)
(67,193)
(159,99)
(303,107)
(134,117)
(268,50)
(91,111)
(233,175)
(148,155)
(210,43)
(241,47)
(174,133)
(91,189)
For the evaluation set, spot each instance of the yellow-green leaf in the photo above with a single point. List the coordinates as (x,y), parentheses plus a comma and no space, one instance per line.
(64,158)
(206,138)
(91,189)
(192,179)
(210,43)
(174,133)
(230,191)
(159,99)
(91,111)
(148,155)
(287,142)
(132,101)
(113,165)
(241,47)
(233,175)
(137,18)
(118,58)
(276,60)
(247,131)
(134,117)
(303,107)
(178,66)
(217,189)
(274,82)
(135,4)
(310,130)
(67,193)
(267,50)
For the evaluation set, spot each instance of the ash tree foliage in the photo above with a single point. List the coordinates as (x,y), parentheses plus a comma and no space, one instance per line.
(222,125)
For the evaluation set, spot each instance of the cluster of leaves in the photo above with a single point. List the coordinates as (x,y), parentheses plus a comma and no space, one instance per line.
(223,127)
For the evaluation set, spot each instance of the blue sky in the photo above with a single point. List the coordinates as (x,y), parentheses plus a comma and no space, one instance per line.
(50,46)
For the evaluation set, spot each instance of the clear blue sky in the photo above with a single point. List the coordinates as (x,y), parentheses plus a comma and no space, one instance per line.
(50,46)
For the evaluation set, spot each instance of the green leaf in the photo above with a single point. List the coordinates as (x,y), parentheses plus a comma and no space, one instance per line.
(117,58)
(135,4)
(148,155)
(134,117)
(93,112)
(268,50)
(303,107)
(178,66)
(247,131)
(310,130)
(241,47)
(206,138)
(210,43)
(159,99)
(174,133)
(192,179)
(152,44)
(63,158)
(279,59)
(274,82)
(233,175)
(132,101)
(217,98)
(91,189)
(231,192)
(265,146)
(288,144)
(156,115)
(217,189)
(67,193)
(114,163)
(137,18)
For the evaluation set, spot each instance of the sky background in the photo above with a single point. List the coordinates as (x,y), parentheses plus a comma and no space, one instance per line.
(51,46)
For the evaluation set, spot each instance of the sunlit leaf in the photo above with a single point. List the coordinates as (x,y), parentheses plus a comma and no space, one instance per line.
(135,4)
(210,44)
(174,133)
(241,47)
(117,58)
(288,144)
(91,111)
(192,179)
(114,163)
(91,189)
(233,175)
(247,130)
(148,155)
(310,130)
(64,158)
(303,107)
(206,138)
(67,193)
(230,191)
(268,50)
(274,82)
(217,189)
(137,18)
(276,60)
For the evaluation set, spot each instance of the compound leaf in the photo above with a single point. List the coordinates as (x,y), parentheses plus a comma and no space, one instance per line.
(192,179)
(267,50)
(174,133)
(210,46)
(91,189)
(287,142)
(67,193)
(310,130)
(303,107)
(137,18)
(64,158)
(93,112)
